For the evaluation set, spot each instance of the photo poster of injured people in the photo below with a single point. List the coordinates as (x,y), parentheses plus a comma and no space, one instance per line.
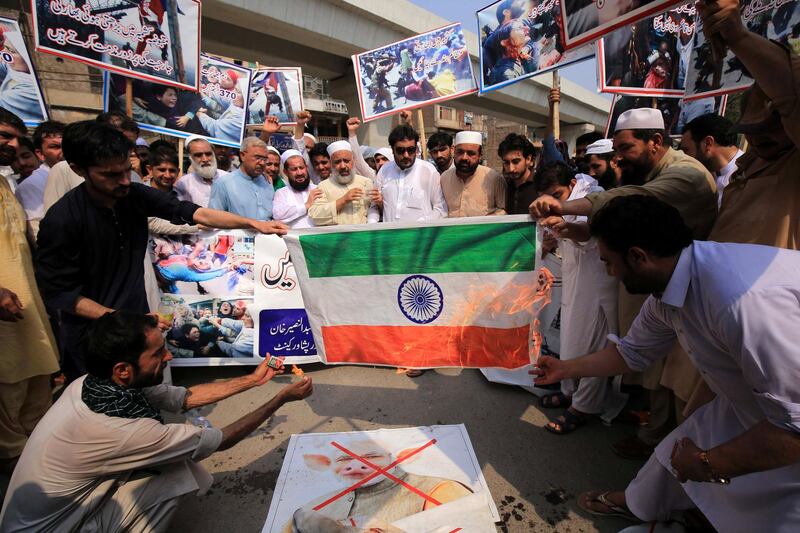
(216,111)
(586,21)
(649,57)
(520,40)
(206,283)
(778,21)
(676,112)
(20,92)
(275,91)
(417,479)
(155,40)
(429,68)
(281,322)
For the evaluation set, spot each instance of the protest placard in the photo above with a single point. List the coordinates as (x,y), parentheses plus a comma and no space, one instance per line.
(414,480)
(425,69)
(677,112)
(778,20)
(207,286)
(519,41)
(282,324)
(216,112)
(155,40)
(588,20)
(20,91)
(275,91)
(650,57)
(461,303)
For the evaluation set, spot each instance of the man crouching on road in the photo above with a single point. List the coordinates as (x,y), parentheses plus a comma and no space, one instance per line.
(102,458)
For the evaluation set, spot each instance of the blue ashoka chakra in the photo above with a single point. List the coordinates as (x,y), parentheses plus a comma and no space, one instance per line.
(420,299)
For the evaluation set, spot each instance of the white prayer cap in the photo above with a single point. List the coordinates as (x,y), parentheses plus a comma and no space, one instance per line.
(385,152)
(469,137)
(367,152)
(287,154)
(314,139)
(141,142)
(274,150)
(603,146)
(339,146)
(644,118)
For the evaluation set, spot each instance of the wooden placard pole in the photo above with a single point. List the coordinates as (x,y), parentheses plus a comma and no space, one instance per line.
(181,143)
(129,97)
(556,116)
(421,128)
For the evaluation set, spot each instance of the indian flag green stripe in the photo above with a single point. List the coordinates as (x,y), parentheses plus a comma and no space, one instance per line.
(497,247)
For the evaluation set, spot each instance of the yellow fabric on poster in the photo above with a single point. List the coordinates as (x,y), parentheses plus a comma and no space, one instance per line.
(444,83)
(29,348)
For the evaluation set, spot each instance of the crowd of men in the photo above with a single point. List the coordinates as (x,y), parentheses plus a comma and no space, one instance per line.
(680,273)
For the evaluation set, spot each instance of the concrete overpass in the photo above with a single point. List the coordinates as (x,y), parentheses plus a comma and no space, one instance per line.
(322,35)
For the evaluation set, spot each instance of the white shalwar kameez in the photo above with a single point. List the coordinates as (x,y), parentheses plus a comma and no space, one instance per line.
(588,314)
(735,309)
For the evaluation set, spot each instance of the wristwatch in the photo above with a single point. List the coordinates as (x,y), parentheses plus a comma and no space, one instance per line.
(713,478)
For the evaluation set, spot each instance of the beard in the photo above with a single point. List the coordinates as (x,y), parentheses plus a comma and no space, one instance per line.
(299,186)
(635,172)
(7,155)
(466,168)
(208,172)
(343,180)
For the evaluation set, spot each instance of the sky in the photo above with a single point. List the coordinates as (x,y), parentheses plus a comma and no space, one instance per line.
(463,11)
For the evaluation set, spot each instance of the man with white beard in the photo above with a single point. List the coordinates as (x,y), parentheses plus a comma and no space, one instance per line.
(195,186)
(346,198)
(291,204)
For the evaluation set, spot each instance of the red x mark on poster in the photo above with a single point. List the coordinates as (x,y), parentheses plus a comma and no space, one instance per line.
(379,471)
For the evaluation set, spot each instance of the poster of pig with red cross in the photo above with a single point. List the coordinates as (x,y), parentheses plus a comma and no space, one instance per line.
(390,480)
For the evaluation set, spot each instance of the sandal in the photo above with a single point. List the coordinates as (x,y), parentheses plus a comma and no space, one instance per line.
(567,422)
(414,372)
(555,400)
(588,498)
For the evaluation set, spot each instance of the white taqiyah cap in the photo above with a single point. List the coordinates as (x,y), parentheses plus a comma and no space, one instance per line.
(339,146)
(469,137)
(314,139)
(644,118)
(273,150)
(287,154)
(385,152)
(603,146)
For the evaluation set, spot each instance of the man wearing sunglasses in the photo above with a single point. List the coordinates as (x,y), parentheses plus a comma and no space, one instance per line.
(409,187)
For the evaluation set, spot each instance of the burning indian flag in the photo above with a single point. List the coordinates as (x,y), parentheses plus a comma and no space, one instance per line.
(453,293)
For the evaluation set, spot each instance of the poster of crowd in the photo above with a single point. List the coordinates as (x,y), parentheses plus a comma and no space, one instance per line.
(588,20)
(421,70)
(275,91)
(649,57)
(216,112)
(155,40)
(20,92)
(676,111)
(776,20)
(408,479)
(520,40)
(279,312)
(209,331)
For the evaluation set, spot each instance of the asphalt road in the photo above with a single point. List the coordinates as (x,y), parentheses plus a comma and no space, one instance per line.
(534,476)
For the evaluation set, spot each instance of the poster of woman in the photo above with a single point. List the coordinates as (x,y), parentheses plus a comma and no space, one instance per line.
(217,111)
(20,92)
(520,39)
(650,57)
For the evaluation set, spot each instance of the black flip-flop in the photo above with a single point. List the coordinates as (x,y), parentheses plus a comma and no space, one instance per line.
(555,401)
(570,423)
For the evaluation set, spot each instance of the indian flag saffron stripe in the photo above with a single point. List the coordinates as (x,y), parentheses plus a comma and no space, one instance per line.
(463,248)
(450,293)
